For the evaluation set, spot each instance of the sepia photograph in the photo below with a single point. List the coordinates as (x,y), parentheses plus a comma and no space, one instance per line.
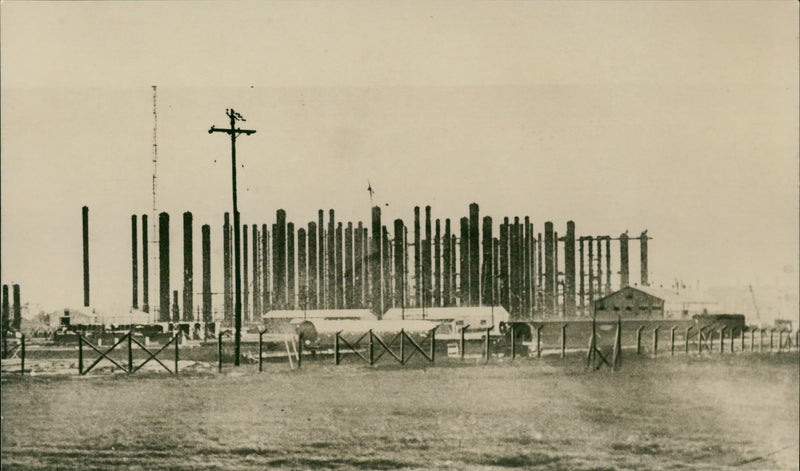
(422,235)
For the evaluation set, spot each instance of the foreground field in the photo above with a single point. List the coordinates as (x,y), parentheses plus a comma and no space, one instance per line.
(733,412)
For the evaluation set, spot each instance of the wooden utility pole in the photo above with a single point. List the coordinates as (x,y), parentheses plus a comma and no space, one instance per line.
(234,132)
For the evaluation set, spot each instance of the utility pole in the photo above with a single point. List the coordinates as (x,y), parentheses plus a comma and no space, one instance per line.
(233,132)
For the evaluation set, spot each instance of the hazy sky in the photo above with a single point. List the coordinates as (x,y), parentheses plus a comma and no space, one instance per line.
(676,117)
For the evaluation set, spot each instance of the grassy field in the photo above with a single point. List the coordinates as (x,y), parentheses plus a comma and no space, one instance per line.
(713,412)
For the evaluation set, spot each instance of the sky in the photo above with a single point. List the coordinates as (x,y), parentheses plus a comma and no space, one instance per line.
(676,117)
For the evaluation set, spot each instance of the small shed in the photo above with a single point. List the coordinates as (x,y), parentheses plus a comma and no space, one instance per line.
(648,302)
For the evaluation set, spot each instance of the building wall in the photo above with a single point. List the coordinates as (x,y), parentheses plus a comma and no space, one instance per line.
(630,303)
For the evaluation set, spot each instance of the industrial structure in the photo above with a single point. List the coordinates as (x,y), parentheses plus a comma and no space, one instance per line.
(331,264)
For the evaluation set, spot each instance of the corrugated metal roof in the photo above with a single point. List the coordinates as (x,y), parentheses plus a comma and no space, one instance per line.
(362,314)
(498,313)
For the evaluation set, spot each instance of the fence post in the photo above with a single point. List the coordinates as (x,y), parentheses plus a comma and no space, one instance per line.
(299,350)
(539,341)
(463,341)
(639,340)
(130,351)
(686,340)
(177,341)
(672,341)
(402,346)
(219,352)
(80,354)
(655,340)
(564,340)
(336,349)
(513,345)
(22,353)
(486,346)
(372,349)
(722,340)
(433,344)
(260,350)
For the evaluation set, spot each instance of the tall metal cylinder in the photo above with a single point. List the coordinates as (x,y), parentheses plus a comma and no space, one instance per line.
(312,266)
(437,265)
(205,232)
(463,263)
(643,245)
(474,260)
(145,267)
(279,235)
(321,279)
(582,275)
(85,219)
(446,265)
(358,266)
(590,260)
(525,240)
(375,261)
(569,270)
(349,284)
(550,268)
(188,269)
(290,267)
(331,262)
(134,263)
(227,268)
(427,277)
(276,302)
(256,272)
(399,269)
(505,287)
(245,277)
(624,271)
(6,311)
(486,273)
(339,267)
(265,281)
(386,267)
(514,268)
(16,322)
(163,266)
(176,313)
(417,260)
(607,288)
(302,273)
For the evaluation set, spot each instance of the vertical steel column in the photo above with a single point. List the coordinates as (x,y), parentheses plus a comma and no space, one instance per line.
(514,265)
(417,260)
(349,286)
(375,261)
(358,266)
(163,264)
(437,264)
(427,276)
(256,273)
(339,268)
(590,261)
(291,300)
(569,270)
(386,267)
(582,275)
(145,267)
(134,264)
(446,265)
(331,250)
(488,269)
(205,231)
(245,277)
(550,266)
(624,276)
(176,313)
(504,269)
(226,268)
(312,266)
(608,264)
(321,278)
(643,248)
(85,216)
(279,238)
(188,268)
(16,322)
(302,274)
(265,283)
(474,260)
(399,271)
(463,266)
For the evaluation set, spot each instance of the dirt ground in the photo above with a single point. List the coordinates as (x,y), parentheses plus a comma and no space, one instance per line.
(713,412)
